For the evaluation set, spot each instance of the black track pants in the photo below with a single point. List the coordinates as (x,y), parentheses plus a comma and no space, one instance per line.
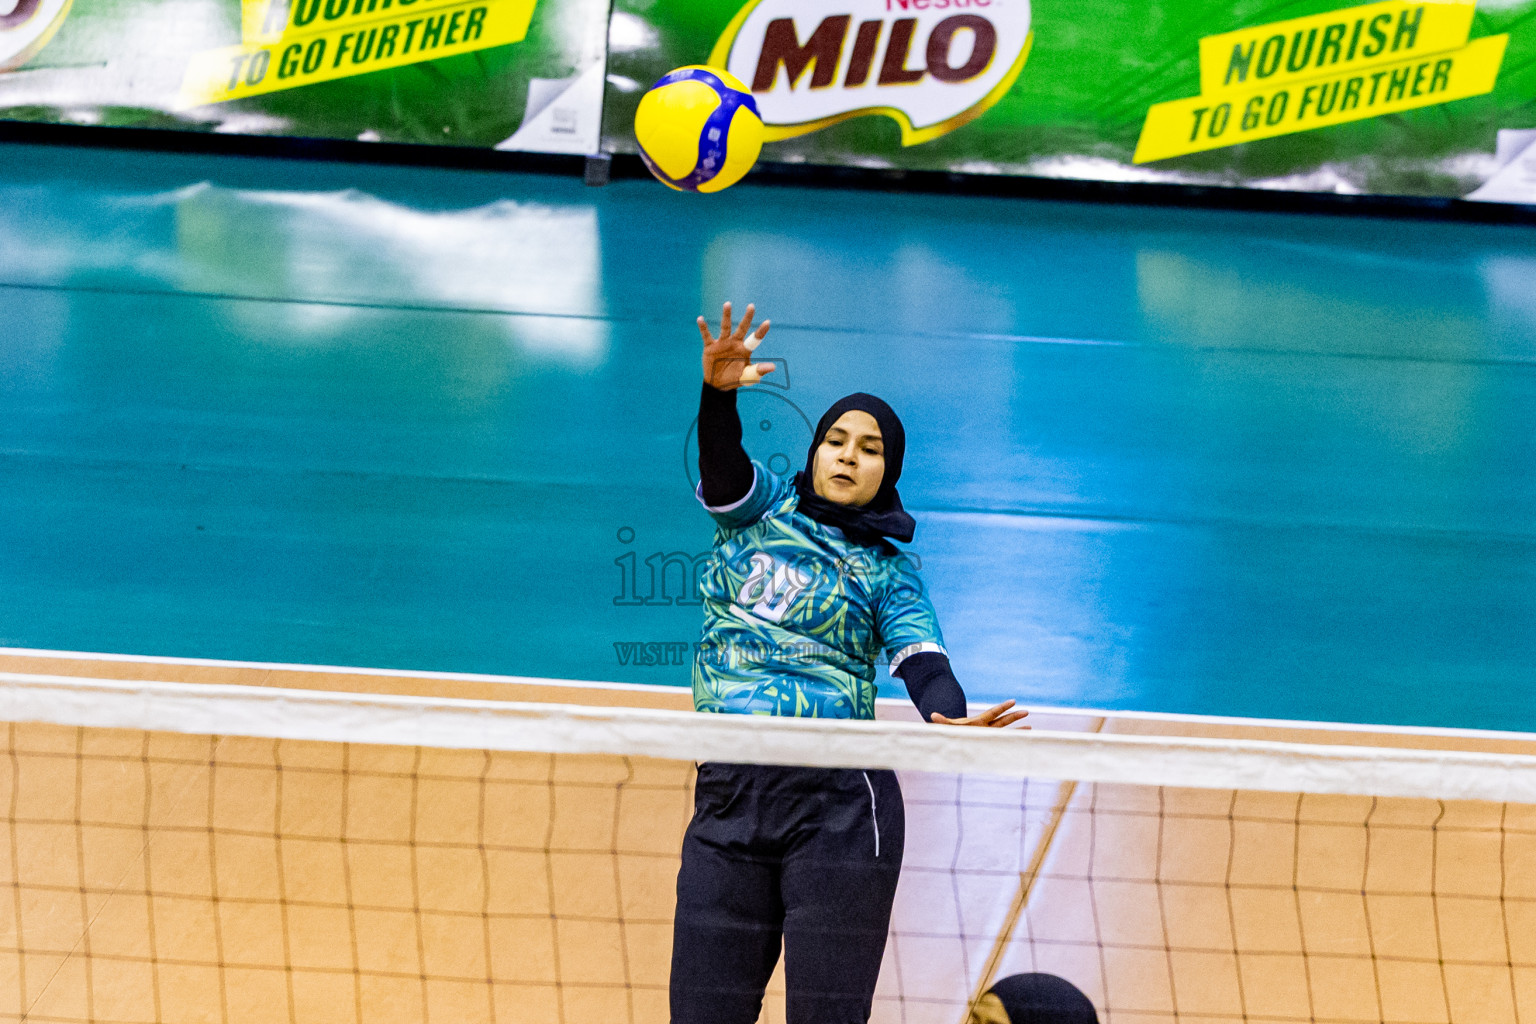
(809,855)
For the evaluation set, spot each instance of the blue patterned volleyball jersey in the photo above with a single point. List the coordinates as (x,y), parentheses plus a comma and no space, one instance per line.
(796,616)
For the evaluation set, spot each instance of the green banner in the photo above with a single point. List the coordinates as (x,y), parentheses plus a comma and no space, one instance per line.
(508,74)
(1394,98)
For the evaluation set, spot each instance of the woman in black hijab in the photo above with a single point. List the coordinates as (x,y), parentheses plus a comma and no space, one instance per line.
(882,515)
(804,592)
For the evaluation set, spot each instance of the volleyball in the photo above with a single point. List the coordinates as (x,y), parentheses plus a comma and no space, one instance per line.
(698,129)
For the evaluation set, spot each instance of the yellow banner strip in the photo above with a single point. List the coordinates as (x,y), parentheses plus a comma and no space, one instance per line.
(1210,122)
(408,37)
(267,21)
(1322,45)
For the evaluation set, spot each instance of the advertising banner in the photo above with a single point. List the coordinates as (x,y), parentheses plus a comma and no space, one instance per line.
(1400,97)
(509,74)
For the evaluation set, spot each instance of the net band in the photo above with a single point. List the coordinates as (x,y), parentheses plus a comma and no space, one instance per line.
(1204,763)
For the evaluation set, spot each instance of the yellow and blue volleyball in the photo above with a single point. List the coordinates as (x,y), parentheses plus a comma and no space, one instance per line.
(699,129)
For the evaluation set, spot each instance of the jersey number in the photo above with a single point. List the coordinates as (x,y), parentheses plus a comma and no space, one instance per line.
(771,587)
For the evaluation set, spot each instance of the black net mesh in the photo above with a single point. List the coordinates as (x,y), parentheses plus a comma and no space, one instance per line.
(159,877)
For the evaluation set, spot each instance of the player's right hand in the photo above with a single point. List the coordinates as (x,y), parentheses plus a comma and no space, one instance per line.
(728,355)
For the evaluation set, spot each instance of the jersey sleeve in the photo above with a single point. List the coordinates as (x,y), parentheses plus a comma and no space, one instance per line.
(768,491)
(906,620)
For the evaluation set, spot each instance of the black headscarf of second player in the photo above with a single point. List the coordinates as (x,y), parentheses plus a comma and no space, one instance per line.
(1040,999)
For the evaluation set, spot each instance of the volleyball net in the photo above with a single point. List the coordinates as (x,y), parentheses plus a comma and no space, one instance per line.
(180,852)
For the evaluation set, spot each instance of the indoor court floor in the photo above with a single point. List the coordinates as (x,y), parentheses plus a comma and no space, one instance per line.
(1174,460)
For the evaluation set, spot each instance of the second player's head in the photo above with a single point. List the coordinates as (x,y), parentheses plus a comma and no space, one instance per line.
(1034,999)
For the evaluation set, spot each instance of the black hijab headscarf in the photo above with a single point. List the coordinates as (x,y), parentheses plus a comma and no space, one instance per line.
(1044,999)
(883,516)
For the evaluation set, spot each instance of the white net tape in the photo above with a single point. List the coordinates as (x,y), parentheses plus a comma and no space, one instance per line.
(1246,764)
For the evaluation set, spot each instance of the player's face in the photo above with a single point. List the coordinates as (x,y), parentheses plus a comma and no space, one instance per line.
(850,461)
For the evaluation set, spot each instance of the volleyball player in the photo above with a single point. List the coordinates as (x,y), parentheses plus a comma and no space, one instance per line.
(802,594)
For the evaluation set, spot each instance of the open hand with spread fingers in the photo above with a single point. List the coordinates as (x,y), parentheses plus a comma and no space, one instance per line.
(992,718)
(728,355)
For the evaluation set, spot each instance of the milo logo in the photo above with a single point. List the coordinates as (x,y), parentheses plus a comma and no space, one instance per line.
(26,26)
(931,65)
